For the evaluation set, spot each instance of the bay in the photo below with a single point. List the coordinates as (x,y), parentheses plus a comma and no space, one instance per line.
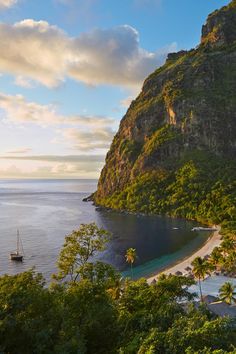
(45,211)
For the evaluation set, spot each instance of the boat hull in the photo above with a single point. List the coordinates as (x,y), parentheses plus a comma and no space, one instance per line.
(16,257)
(204,229)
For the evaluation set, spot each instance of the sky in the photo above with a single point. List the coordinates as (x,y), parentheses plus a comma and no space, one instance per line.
(69,70)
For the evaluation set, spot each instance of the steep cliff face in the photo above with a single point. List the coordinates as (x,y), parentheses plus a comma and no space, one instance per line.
(186,106)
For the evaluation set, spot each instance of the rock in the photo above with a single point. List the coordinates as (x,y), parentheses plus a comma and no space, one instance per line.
(90,198)
(220,28)
(186,106)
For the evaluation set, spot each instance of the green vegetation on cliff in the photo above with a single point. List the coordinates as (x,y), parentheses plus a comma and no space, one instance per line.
(202,188)
(174,153)
(186,105)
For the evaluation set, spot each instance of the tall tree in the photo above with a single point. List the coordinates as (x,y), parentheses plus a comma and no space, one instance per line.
(79,247)
(200,270)
(228,293)
(227,245)
(131,256)
(216,257)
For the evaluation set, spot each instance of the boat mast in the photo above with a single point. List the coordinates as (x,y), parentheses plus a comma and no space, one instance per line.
(18,235)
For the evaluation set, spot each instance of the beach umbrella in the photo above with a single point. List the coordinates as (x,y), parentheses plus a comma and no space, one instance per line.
(188,269)
(207,256)
(190,276)
(178,273)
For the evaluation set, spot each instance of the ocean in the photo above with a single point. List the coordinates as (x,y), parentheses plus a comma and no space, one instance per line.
(45,211)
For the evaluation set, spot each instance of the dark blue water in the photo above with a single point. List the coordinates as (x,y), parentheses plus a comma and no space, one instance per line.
(46,210)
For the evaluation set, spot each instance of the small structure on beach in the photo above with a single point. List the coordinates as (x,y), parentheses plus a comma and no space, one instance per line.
(219,308)
(208,299)
(222,309)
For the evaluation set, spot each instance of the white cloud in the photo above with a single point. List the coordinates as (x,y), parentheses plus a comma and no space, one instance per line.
(58,158)
(52,171)
(114,57)
(23,150)
(85,133)
(89,140)
(50,166)
(34,50)
(44,53)
(23,82)
(6,4)
(17,109)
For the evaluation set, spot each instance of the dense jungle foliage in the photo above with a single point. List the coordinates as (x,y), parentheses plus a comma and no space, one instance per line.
(88,308)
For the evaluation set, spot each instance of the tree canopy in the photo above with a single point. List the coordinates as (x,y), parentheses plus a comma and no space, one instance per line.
(98,312)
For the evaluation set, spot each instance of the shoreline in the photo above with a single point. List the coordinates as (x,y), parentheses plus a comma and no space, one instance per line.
(212,242)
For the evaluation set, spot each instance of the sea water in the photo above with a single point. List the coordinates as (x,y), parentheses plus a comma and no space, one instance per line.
(45,211)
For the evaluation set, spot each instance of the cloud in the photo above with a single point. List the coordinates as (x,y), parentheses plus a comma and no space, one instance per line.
(85,133)
(44,53)
(90,140)
(34,50)
(17,109)
(114,57)
(52,166)
(58,158)
(23,82)
(85,170)
(6,4)
(19,151)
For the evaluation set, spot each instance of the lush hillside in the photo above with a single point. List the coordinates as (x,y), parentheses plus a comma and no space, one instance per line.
(175,149)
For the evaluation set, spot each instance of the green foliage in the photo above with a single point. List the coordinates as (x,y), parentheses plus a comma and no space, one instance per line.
(228,293)
(29,315)
(130,148)
(199,332)
(200,270)
(200,186)
(100,314)
(162,137)
(130,257)
(78,249)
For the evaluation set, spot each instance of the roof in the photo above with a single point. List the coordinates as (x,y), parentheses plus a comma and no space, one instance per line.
(208,299)
(222,309)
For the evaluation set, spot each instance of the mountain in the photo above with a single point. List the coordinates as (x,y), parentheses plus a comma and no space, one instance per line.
(175,149)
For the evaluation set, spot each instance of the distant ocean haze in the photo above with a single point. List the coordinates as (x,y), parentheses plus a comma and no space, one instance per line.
(45,211)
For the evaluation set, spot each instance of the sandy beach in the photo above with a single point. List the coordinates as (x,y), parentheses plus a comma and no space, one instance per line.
(206,249)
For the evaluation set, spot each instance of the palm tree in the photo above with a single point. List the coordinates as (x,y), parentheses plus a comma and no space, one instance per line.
(228,293)
(115,290)
(230,262)
(131,256)
(215,258)
(200,270)
(227,245)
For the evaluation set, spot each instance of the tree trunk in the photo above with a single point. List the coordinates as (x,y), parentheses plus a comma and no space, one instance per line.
(200,288)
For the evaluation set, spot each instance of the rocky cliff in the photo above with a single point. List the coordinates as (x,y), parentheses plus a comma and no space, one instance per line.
(186,109)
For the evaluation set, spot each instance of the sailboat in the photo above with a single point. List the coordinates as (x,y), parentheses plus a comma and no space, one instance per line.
(17,256)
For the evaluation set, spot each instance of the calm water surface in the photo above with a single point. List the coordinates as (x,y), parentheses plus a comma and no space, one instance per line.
(46,210)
